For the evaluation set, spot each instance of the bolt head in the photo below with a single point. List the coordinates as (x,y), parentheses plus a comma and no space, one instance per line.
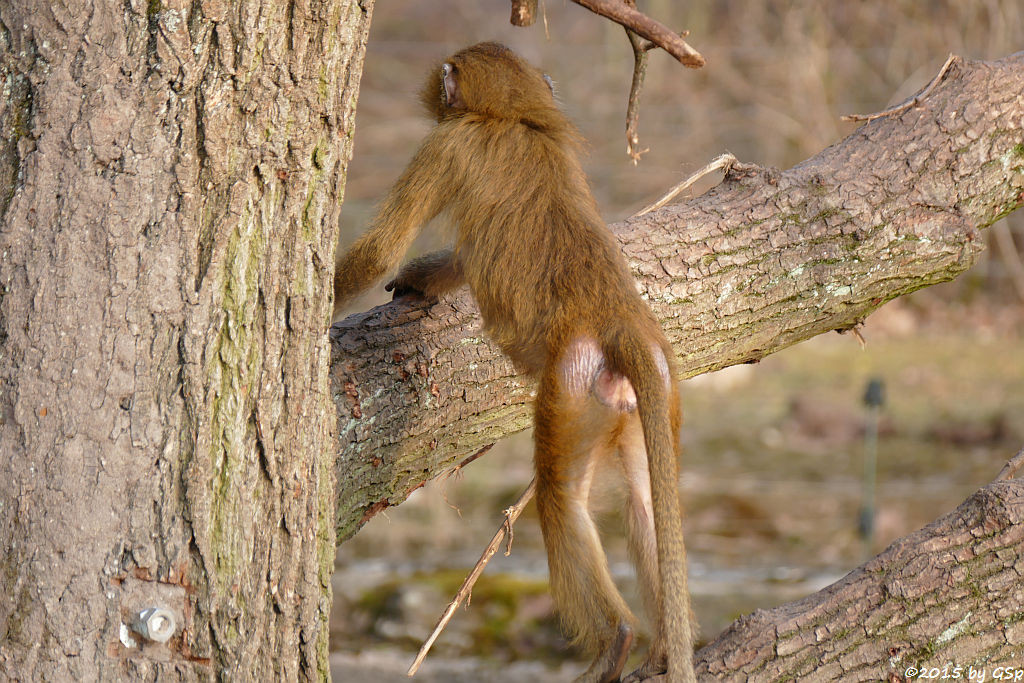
(155,623)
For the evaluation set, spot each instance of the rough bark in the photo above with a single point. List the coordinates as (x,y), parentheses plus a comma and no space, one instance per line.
(759,263)
(169,196)
(950,595)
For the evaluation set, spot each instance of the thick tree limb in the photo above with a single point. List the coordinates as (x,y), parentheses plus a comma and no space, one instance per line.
(949,594)
(757,264)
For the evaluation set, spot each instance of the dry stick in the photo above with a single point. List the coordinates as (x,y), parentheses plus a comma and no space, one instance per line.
(633,108)
(640,49)
(656,32)
(726,161)
(1011,467)
(524,12)
(636,24)
(912,102)
(511,515)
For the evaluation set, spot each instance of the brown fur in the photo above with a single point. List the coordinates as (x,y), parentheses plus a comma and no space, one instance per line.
(556,295)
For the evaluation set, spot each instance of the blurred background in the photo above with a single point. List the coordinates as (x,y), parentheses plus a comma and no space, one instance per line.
(774,453)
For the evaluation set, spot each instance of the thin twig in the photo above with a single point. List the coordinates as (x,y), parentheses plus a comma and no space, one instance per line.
(652,30)
(457,471)
(633,107)
(912,102)
(454,472)
(725,161)
(473,457)
(855,331)
(1011,467)
(511,515)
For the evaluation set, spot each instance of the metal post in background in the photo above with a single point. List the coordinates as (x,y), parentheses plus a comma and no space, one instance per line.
(874,398)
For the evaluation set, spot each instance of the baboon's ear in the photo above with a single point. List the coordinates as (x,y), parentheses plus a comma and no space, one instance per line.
(452,96)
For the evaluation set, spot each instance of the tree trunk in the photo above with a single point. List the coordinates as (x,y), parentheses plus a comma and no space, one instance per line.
(761,262)
(169,195)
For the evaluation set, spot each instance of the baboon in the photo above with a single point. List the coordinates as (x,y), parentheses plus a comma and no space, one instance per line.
(557,297)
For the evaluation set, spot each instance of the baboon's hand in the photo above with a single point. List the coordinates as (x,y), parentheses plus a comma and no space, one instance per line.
(400,287)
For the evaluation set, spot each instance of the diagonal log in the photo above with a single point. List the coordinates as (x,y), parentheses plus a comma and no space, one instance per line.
(761,262)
